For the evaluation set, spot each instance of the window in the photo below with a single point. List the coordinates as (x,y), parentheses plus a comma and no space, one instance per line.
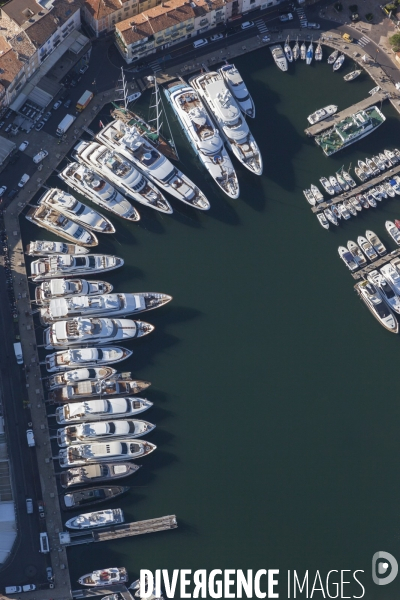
(203,22)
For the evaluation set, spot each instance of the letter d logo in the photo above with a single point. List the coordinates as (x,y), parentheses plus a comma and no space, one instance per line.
(384,568)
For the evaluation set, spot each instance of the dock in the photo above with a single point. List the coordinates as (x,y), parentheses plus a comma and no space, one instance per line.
(382,260)
(332,120)
(118,531)
(99,593)
(360,189)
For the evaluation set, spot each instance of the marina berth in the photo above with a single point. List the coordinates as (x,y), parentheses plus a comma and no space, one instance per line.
(102,430)
(76,211)
(227,115)
(61,265)
(68,288)
(43,248)
(121,173)
(393,231)
(100,518)
(203,136)
(385,290)
(106,305)
(57,223)
(93,331)
(104,577)
(88,497)
(116,385)
(97,452)
(128,142)
(238,89)
(92,185)
(279,57)
(85,357)
(101,410)
(95,473)
(67,377)
(322,113)
(373,301)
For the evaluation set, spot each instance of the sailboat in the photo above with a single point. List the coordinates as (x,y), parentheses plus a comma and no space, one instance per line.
(303,51)
(288,50)
(318,52)
(332,57)
(296,50)
(309,55)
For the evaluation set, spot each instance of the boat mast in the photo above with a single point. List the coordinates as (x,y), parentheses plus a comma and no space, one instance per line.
(124,98)
(156,105)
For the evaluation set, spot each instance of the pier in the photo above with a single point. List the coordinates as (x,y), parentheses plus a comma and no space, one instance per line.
(360,189)
(333,119)
(382,260)
(99,592)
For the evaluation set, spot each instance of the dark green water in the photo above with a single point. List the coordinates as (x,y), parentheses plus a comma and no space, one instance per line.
(277,415)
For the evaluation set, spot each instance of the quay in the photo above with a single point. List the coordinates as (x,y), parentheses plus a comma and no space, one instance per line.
(333,119)
(362,273)
(99,593)
(360,189)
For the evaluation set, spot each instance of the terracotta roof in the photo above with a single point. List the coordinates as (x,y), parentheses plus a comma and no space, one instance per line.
(41,30)
(99,9)
(17,10)
(22,45)
(4,45)
(10,66)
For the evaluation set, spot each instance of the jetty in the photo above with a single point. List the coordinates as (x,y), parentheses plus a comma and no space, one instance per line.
(382,260)
(333,119)
(100,592)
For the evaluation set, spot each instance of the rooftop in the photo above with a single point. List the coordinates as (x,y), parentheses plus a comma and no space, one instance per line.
(101,8)
(10,66)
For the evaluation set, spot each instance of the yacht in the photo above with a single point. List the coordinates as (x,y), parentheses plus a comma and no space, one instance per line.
(379,162)
(363,165)
(99,518)
(101,431)
(296,50)
(332,218)
(351,76)
(395,184)
(375,242)
(68,265)
(53,289)
(348,258)
(117,385)
(279,57)
(93,331)
(362,200)
(380,192)
(373,167)
(370,199)
(343,211)
(362,176)
(78,212)
(288,51)
(128,142)
(334,183)
(107,305)
(94,473)
(391,156)
(238,89)
(67,377)
(90,496)
(101,410)
(57,223)
(303,51)
(385,161)
(203,136)
(322,113)
(385,290)
(316,193)
(309,197)
(309,55)
(318,52)
(124,449)
(342,182)
(348,178)
(227,115)
(327,186)
(90,184)
(338,62)
(323,220)
(122,174)
(335,211)
(392,276)
(104,577)
(350,207)
(85,357)
(356,203)
(44,248)
(388,189)
(356,252)
(367,248)
(373,301)
(332,57)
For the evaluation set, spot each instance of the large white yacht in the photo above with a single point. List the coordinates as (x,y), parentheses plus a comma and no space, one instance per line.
(122,173)
(96,452)
(106,305)
(90,184)
(98,518)
(392,276)
(279,57)
(104,577)
(322,113)
(57,223)
(97,472)
(128,142)
(85,357)
(44,248)
(386,291)
(238,89)
(67,377)
(68,265)
(203,136)
(120,384)
(102,430)
(67,288)
(374,302)
(101,410)
(93,331)
(76,211)
(229,119)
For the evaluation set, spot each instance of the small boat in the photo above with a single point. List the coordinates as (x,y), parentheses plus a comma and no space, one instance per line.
(348,258)
(97,452)
(373,300)
(338,62)
(279,57)
(104,577)
(57,223)
(67,377)
(377,195)
(385,290)
(99,518)
(373,166)
(101,410)
(370,199)
(350,207)
(335,211)
(393,231)
(316,193)
(44,248)
(296,50)
(392,276)
(61,265)
(85,357)
(351,76)
(397,153)
(318,52)
(335,184)
(385,160)
(362,200)
(309,55)
(381,191)
(348,178)
(94,473)
(327,186)
(367,170)
(374,90)
(362,176)
(309,196)
(367,248)
(343,211)
(322,113)
(331,217)
(388,189)
(332,57)
(90,496)
(395,185)
(288,51)
(120,384)
(303,51)
(67,288)
(356,252)
(375,242)
(391,156)
(342,182)
(379,162)
(323,220)
(356,203)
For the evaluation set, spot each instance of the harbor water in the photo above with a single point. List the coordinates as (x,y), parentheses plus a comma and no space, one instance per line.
(273,386)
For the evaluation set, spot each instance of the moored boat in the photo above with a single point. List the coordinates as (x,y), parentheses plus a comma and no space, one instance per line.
(338,62)
(351,76)
(385,290)
(356,203)
(343,211)
(279,57)
(309,54)
(309,197)
(392,276)
(95,473)
(323,220)
(68,265)
(342,182)
(67,377)
(117,385)
(322,113)
(350,207)
(332,57)
(104,577)
(367,248)
(303,51)
(238,89)
(318,52)
(356,252)
(316,193)
(87,497)
(288,51)
(95,519)
(330,216)
(101,410)
(327,186)
(373,301)
(97,452)
(57,223)
(348,258)
(296,50)
(334,183)
(375,242)
(44,248)
(66,288)
(102,431)
(85,357)
(393,231)
(348,178)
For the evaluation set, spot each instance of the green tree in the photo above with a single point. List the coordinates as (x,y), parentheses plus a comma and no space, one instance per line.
(395,42)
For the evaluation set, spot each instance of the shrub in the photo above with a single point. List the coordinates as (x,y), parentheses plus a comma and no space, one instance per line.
(394,41)
(390,7)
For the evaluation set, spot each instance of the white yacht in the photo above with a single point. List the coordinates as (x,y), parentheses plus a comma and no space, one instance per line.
(318,52)
(106,305)
(93,331)
(97,452)
(101,410)
(226,113)
(67,288)
(303,51)
(57,223)
(101,431)
(127,141)
(85,357)
(393,231)
(98,518)
(327,186)
(332,57)
(96,473)
(104,577)
(279,57)
(83,374)
(68,265)
(316,193)
(122,173)
(375,242)
(356,252)
(385,290)
(203,136)
(392,276)
(288,51)
(76,211)
(338,62)
(348,258)
(238,89)
(374,302)
(117,385)
(322,113)
(44,248)
(367,248)
(92,185)
(296,50)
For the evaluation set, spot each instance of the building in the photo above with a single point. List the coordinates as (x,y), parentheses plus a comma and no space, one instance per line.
(102,15)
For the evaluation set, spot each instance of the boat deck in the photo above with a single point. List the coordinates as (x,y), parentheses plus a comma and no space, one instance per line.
(382,260)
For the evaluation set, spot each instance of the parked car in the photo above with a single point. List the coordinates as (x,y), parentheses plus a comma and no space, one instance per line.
(9,113)
(30,587)
(11,194)
(23,146)
(40,125)
(200,42)
(46,116)
(287,17)
(24,179)
(2,190)
(68,103)
(13,589)
(29,506)
(40,156)
(2,123)
(29,436)
(49,573)
(8,128)
(247,25)
(73,83)
(83,69)
(57,104)
(41,509)
(216,36)
(313,25)
(346,37)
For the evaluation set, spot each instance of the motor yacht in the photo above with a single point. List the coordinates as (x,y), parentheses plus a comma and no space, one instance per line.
(348,178)
(318,52)
(102,431)
(104,577)
(99,518)
(91,184)
(57,223)
(327,186)
(309,197)
(95,473)
(117,385)
(352,209)
(331,217)
(101,410)
(367,248)
(373,167)
(68,265)
(362,200)
(343,211)
(373,301)
(356,252)
(391,156)
(287,50)
(395,184)
(67,377)
(231,123)
(85,357)
(309,54)
(68,288)
(392,276)
(332,57)
(380,190)
(338,62)
(97,452)
(334,183)
(342,182)
(238,89)
(370,199)
(44,248)
(335,211)
(388,189)
(348,258)
(323,220)
(316,193)
(362,176)
(90,496)
(279,57)
(367,170)
(303,51)
(387,163)
(356,203)
(375,242)
(385,290)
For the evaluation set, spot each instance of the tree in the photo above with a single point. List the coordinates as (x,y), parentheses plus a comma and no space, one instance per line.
(395,42)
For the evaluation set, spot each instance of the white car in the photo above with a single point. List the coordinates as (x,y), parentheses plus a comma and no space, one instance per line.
(30,438)
(247,24)
(216,36)
(40,156)
(57,104)
(288,17)
(2,190)
(23,146)
(24,179)
(29,587)
(83,69)
(266,38)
